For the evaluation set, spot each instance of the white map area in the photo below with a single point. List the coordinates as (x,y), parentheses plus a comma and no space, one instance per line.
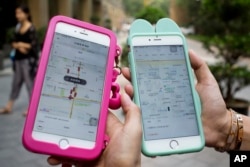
(74,102)
(165,96)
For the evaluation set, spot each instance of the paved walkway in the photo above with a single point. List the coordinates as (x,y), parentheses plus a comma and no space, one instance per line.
(12,153)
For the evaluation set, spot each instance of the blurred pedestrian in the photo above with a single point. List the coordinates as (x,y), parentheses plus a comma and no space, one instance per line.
(25,58)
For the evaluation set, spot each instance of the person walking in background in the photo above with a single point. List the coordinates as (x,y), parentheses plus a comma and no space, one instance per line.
(25,62)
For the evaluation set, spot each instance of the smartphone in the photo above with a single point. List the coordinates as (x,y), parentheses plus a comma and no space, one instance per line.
(69,105)
(164,91)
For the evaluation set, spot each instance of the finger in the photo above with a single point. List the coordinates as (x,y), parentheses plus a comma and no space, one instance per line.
(53,161)
(59,160)
(129,90)
(112,123)
(196,61)
(126,73)
(200,67)
(132,114)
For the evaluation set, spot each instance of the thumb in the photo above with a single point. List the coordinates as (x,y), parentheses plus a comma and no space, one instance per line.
(132,114)
(201,69)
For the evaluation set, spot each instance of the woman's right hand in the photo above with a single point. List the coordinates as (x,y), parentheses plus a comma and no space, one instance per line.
(216,118)
(23,50)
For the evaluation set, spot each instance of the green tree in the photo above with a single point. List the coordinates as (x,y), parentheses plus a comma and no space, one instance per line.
(163,5)
(225,27)
(192,7)
(131,6)
(150,14)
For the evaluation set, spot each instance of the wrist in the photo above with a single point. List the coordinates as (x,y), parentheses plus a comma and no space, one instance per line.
(235,134)
(224,130)
(246,134)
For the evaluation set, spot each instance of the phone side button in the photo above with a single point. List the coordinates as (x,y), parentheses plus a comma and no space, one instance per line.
(63,144)
(173,144)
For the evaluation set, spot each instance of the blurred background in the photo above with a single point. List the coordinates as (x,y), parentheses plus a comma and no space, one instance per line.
(219,31)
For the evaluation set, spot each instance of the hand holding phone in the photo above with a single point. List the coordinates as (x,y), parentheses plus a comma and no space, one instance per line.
(164,89)
(125,139)
(68,109)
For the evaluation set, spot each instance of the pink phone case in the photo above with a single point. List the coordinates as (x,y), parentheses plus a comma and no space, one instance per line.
(109,85)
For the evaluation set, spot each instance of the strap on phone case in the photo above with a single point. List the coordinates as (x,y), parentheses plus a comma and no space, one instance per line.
(115,99)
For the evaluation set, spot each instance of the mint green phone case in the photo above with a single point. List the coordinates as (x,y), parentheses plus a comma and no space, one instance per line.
(168,27)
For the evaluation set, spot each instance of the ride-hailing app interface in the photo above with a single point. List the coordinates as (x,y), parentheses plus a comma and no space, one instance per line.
(165,94)
(72,90)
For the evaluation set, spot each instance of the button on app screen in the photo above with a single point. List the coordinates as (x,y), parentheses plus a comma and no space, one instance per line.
(72,90)
(165,93)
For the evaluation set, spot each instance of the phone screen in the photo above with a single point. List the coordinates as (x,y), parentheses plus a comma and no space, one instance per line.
(165,94)
(71,95)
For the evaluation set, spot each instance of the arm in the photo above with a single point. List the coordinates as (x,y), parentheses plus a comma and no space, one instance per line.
(26,47)
(22,45)
(216,118)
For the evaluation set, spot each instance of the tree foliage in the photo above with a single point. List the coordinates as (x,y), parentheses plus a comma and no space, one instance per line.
(133,6)
(225,26)
(226,23)
(192,6)
(163,5)
(150,14)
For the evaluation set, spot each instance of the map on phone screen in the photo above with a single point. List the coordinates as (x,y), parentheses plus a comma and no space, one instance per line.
(165,94)
(72,89)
